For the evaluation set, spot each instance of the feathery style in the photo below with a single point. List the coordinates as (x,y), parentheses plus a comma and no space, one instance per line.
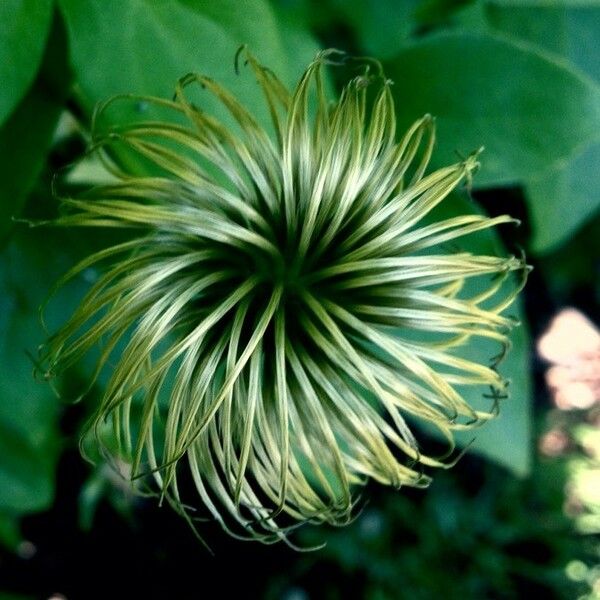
(281,316)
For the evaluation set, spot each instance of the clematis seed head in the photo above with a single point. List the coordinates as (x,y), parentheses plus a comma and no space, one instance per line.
(283,314)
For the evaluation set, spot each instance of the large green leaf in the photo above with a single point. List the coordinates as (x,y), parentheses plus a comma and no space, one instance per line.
(26,137)
(10,536)
(252,23)
(562,200)
(301,48)
(381,26)
(29,410)
(29,440)
(25,26)
(24,142)
(530,111)
(565,27)
(144,47)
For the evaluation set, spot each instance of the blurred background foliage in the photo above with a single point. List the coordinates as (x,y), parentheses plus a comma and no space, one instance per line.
(520,515)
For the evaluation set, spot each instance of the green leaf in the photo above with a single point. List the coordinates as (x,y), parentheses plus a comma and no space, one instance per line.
(144,47)
(562,200)
(381,26)
(529,111)
(515,19)
(301,47)
(29,439)
(27,135)
(25,140)
(252,23)
(569,29)
(29,410)
(25,26)
(10,534)
(299,44)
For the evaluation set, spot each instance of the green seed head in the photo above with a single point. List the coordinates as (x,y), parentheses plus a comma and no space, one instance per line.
(282,314)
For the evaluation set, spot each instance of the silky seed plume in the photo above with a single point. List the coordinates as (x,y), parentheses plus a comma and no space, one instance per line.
(282,316)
